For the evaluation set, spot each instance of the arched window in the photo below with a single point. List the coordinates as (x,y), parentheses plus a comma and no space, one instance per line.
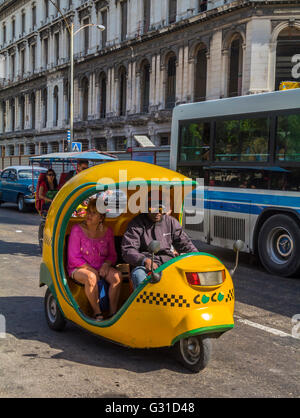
(122,91)
(171,82)
(55,106)
(200,74)
(85,98)
(102,87)
(145,86)
(235,67)
(287,56)
(32,100)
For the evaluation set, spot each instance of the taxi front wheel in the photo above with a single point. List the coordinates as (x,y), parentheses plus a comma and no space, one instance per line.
(54,317)
(194,352)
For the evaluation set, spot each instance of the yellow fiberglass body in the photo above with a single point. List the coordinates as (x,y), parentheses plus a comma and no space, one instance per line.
(155,314)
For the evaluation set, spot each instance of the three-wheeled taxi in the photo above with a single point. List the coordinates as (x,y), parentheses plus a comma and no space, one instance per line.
(183,304)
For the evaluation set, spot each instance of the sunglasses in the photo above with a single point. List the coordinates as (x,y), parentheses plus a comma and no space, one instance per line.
(51,175)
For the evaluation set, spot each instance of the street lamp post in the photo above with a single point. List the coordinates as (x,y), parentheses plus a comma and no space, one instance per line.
(72,34)
(70,27)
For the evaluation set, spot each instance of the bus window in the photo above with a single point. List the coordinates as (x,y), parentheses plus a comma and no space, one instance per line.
(194,142)
(242,140)
(287,138)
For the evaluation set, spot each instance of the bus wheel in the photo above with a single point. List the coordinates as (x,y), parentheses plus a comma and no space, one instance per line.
(279,245)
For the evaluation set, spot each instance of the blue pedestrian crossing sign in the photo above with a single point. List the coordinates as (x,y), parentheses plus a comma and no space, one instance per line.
(77,146)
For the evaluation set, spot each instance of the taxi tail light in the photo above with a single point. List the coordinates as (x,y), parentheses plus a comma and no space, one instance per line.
(207,278)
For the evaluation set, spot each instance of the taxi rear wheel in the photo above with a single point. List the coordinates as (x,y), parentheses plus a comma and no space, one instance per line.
(194,352)
(54,317)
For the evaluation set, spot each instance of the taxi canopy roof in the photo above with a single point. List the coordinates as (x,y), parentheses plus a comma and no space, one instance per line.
(122,172)
(65,157)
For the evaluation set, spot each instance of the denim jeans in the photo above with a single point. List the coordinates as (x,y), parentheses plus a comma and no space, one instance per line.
(138,275)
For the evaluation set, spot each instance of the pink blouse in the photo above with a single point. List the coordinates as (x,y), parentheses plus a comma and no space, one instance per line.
(94,252)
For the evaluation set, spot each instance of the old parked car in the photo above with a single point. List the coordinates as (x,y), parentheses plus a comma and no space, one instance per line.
(18,184)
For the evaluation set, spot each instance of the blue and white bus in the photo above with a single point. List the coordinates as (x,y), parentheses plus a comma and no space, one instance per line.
(247,149)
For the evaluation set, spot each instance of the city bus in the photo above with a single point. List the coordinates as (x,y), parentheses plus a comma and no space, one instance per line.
(247,150)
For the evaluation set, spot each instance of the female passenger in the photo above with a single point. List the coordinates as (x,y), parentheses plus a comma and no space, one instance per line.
(91,254)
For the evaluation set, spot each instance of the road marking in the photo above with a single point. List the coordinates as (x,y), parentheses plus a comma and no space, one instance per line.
(264,328)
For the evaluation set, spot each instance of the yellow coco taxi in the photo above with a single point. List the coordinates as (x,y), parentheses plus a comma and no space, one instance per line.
(182,304)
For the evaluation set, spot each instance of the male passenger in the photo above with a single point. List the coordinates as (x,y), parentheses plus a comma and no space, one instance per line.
(146,227)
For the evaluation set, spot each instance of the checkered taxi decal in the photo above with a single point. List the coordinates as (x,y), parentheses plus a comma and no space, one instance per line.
(164,299)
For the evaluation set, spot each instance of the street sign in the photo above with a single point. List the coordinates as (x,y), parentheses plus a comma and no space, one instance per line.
(69,135)
(77,146)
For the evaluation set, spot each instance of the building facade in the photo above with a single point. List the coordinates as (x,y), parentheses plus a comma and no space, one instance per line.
(153,55)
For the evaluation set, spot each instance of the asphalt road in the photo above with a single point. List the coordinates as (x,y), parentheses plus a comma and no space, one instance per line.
(258,358)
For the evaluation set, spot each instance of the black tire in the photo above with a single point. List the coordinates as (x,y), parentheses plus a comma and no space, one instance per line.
(54,317)
(41,234)
(21,204)
(279,245)
(194,352)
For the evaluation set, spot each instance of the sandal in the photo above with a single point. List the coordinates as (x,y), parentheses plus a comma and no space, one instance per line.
(110,315)
(99,317)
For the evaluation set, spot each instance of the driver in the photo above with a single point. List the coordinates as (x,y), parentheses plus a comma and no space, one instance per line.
(156,224)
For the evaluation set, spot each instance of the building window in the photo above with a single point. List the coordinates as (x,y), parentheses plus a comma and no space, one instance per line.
(171,82)
(45,107)
(31,149)
(235,67)
(13,28)
(122,91)
(22,62)
(67,101)
(13,115)
(23,22)
(120,143)
(32,100)
(100,144)
(22,112)
(4,33)
(147,15)
(102,85)
(123,20)
(21,149)
(145,86)
(13,66)
(202,6)
(56,46)
(46,8)
(86,35)
(33,48)
(33,10)
(104,23)
(172,11)
(44,148)
(200,75)
(55,106)
(46,52)
(287,56)
(165,139)
(85,98)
